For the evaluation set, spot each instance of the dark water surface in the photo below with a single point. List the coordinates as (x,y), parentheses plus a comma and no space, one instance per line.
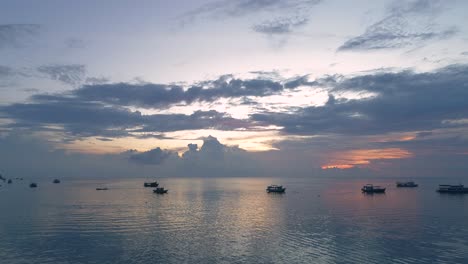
(231,220)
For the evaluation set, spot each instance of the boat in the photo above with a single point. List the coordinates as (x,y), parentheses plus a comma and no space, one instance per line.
(33,185)
(275,189)
(445,188)
(151,184)
(56,181)
(406,184)
(369,188)
(160,190)
(102,189)
(9,181)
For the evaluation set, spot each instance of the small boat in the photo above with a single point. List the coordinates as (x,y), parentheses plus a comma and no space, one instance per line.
(9,181)
(445,188)
(275,189)
(369,188)
(151,184)
(160,190)
(102,189)
(406,184)
(33,185)
(56,181)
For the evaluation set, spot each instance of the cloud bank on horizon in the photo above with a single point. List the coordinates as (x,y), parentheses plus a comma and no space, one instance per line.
(376,97)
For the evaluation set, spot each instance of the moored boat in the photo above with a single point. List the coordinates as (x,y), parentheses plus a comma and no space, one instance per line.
(406,184)
(275,189)
(160,190)
(445,188)
(102,189)
(369,188)
(151,184)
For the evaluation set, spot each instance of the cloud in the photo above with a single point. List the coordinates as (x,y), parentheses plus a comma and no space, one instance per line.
(92,119)
(74,43)
(9,75)
(227,8)
(15,35)
(404,101)
(71,74)
(280,25)
(406,24)
(149,95)
(155,156)
(290,15)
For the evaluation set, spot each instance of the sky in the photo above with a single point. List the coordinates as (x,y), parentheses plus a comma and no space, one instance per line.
(234,88)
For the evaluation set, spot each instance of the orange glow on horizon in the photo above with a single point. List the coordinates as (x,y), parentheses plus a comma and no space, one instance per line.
(353,158)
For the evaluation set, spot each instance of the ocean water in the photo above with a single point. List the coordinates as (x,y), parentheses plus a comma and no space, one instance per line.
(231,220)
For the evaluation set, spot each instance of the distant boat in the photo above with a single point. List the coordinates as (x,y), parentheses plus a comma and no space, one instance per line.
(406,184)
(151,184)
(56,181)
(275,189)
(160,190)
(102,189)
(444,188)
(33,185)
(9,181)
(369,188)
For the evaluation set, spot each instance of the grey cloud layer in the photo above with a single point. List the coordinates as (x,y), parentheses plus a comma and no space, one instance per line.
(405,101)
(71,74)
(280,25)
(406,24)
(246,7)
(161,95)
(14,35)
(89,119)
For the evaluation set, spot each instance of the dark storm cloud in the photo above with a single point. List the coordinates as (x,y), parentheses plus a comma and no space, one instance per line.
(404,101)
(280,25)
(406,24)
(71,74)
(91,119)
(15,35)
(161,95)
(80,119)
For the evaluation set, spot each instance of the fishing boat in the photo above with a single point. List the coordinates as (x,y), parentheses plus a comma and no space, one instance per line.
(160,190)
(56,181)
(275,189)
(445,188)
(33,185)
(369,188)
(151,184)
(406,184)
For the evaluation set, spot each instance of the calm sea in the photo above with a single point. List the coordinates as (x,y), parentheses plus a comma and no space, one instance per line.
(231,220)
